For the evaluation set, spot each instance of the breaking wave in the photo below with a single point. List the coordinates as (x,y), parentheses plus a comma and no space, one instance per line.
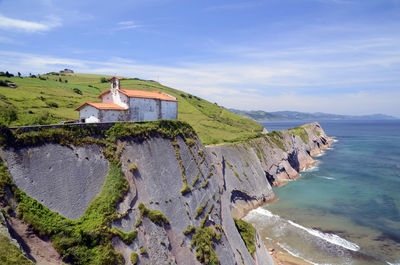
(330,178)
(310,169)
(331,238)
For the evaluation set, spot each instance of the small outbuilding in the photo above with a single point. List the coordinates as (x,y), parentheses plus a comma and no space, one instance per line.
(129,105)
(66,71)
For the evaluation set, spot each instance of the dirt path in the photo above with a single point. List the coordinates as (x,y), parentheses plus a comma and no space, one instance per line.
(40,251)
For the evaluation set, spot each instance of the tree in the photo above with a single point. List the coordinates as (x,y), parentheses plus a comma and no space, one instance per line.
(103,80)
(19,74)
(8,74)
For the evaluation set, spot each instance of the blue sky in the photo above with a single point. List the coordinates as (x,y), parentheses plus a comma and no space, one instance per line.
(337,56)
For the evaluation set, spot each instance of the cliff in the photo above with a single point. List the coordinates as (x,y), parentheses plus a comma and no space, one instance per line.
(250,168)
(166,198)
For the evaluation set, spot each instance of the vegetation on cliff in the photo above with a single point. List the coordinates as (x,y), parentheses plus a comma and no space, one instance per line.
(10,254)
(46,100)
(87,240)
(248,234)
(203,240)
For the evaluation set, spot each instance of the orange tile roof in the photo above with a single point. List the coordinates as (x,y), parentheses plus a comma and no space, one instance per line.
(143,94)
(102,106)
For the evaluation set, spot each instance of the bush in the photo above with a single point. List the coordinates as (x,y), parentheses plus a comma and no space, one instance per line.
(143,251)
(77,90)
(203,240)
(156,216)
(134,258)
(52,105)
(3,83)
(103,80)
(248,234)
(132,167)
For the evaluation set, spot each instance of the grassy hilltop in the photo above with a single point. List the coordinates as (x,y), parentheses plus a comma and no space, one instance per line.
(49,99)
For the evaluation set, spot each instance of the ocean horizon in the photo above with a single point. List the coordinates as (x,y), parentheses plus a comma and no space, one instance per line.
(346,209)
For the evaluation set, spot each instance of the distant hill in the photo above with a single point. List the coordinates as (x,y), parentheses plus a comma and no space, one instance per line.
(51,98)
(260,115)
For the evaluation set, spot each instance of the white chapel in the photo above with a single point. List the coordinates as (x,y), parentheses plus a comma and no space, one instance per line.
(128,105)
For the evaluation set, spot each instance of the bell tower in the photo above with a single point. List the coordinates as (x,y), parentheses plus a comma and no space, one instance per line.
(115,85)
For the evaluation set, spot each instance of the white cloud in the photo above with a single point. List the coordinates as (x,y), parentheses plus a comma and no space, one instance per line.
(123,25)
(243,86)
(28,26)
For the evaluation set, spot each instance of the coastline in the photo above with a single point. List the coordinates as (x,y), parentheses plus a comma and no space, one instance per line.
(279,255)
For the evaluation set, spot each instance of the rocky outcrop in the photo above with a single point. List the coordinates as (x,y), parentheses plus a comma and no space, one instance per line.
(249,169)
(193,186)
(157,181)
(64,179)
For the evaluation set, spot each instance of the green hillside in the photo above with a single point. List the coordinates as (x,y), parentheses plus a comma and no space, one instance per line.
(46,100)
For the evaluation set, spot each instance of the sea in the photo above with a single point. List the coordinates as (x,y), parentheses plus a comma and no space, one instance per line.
(346,209)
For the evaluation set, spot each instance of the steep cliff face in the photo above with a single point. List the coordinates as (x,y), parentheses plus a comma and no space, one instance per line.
(249,169)
(174,211)
(166,198)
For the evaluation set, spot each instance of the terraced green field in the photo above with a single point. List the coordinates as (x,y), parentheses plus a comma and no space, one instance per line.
(46,100)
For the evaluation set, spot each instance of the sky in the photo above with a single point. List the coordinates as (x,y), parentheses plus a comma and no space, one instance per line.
(334,56)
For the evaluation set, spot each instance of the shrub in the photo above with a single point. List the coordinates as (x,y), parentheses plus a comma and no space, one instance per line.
(143,251)
(103,80)
(132,167)
(201,208)
(52,104)
(134,258)
(156,216)
(126,237)
(248,234)
(185,189)
(203,240)
(77,90)
(3,83)
(189,230)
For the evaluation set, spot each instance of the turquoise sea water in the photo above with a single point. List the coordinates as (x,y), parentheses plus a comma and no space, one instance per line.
(346,210)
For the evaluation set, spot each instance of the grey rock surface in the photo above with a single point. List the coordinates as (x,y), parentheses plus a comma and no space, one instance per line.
(64,179)
(157,183)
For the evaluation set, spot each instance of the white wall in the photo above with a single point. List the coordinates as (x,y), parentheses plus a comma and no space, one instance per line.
(117,97)
(113,115)
(144,109)
(89,114)
(169,110)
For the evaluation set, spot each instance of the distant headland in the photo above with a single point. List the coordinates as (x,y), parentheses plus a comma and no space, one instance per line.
(260,115)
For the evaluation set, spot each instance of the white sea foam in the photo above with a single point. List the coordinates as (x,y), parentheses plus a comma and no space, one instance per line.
(321,154)
(398,263)
(331,238)
(262,211)
(310,169)
(330,178)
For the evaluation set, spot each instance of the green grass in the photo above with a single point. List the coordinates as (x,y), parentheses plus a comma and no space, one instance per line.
(156,216)
(201,208)
(10,254)
(277,138)
(88,239)
(33,97)
(301,132)
(248,234)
